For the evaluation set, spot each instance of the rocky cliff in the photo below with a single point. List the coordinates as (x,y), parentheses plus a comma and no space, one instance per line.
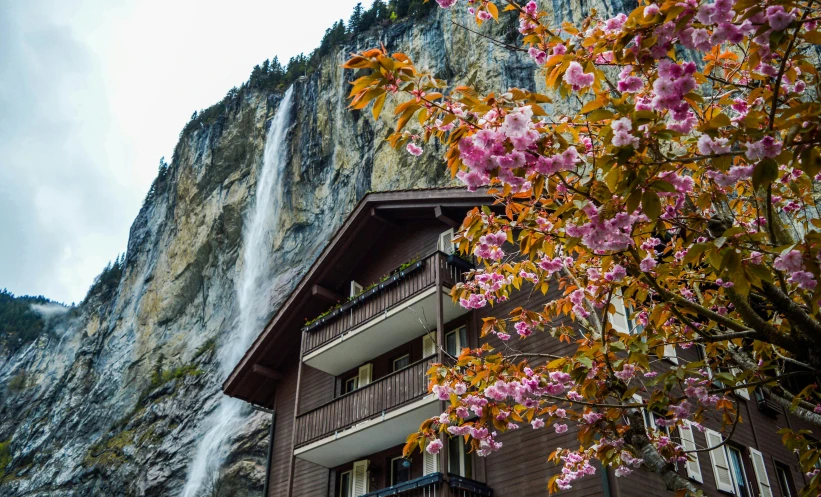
(111,401)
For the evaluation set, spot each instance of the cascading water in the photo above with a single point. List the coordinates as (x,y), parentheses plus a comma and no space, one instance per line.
(253,296)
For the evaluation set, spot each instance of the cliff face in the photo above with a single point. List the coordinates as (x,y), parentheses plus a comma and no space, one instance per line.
(113,400)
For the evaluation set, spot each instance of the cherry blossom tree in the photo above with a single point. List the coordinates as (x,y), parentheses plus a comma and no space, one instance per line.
(683,188)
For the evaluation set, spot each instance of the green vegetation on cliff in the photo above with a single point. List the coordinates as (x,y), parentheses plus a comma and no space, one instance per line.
(19,322)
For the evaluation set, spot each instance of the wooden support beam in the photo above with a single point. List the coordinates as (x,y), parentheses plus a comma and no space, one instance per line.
(440,215)
(377,217)
(324,293)
(266,372)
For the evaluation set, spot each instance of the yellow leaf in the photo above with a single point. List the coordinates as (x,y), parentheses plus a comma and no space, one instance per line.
(377,105)
(493,10)
(600,101)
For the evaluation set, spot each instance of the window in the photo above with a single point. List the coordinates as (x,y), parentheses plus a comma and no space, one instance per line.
(456,340)
(400,470)
(785,480)
(460,461)
(345,484)
(350,385)
(445,243)
(401,362)
(621,322)
(742,487)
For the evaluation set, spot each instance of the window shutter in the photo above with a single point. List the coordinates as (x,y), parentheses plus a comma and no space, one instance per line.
(428,346)
(430,463)
(670,353)
(761,473)
(619,318)
(446,242)
(718,459)
(365,375)
(688,441)
(360,478)
(743,393)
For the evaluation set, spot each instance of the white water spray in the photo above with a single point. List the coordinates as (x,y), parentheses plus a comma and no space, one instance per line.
(253,296)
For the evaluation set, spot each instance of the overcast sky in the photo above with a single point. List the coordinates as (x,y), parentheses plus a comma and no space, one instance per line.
(93,93)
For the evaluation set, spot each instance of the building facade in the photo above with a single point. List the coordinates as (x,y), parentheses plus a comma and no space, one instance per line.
(342,369)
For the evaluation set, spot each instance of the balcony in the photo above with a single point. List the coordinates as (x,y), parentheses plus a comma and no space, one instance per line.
(367,420)
(433,485)
(389,314)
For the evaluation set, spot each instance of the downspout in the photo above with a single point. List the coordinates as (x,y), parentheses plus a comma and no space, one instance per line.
(605,481)
(270,453)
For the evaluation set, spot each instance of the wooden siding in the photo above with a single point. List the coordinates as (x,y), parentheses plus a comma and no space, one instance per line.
(412,239)
(387,393)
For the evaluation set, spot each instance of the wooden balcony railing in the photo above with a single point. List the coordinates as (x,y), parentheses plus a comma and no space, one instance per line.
(401,286)
(434,485)
(370,401)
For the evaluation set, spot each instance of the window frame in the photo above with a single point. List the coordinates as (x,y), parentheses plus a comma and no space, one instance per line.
(784,469)
(458,335)
(393,362)
(729,450)
(352,379)
(393,476)
(349,473)
(463,458)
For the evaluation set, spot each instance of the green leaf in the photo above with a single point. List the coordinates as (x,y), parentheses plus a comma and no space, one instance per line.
(651,205)
(765,172)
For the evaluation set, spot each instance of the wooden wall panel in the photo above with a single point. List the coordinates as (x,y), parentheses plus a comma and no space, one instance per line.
(317,388)
(397,245)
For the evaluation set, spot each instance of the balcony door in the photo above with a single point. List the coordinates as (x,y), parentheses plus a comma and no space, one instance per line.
(460,461)
(456,340)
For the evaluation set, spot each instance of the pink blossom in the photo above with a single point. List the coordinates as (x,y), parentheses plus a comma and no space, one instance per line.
(538,55)
(629,83)
(503,336)
(766,147)
(709,146)
(435,446)
(441,391)
(622,136)
(648,264)
(537,423)
(615,24)
(651,10)
(778,18)
(790,262)
(577,78)
(804,279)
(561,428)
(484,15)
(414,149)
(559,49)
(627,372)
(616,273)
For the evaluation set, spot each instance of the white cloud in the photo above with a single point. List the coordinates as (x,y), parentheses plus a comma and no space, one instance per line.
(93,93)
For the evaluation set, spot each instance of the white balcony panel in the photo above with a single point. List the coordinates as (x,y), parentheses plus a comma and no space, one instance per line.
(396,326)
(370,436)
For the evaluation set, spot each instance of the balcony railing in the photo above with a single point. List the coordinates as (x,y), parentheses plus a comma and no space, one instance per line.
(401,286)
(389,392)
(433,485)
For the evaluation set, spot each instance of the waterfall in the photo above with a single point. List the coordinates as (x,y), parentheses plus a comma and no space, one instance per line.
(254,290)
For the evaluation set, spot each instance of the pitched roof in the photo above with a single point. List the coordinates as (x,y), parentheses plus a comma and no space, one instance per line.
(284,321)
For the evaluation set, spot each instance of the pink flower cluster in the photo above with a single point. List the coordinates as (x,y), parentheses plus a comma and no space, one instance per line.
(577,78)
(673,82)
(766,147)
(792,263)
(489,246)
(622,133)
(575,466)
(601,234)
